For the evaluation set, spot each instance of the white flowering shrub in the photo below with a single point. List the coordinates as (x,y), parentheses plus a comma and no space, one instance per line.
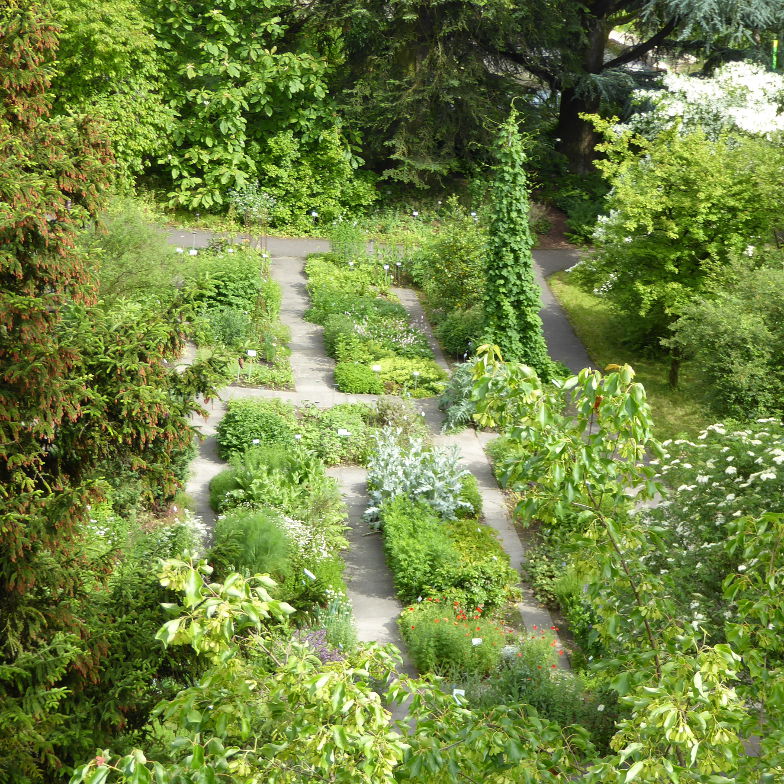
(739,97)
(727,472)
(430,474)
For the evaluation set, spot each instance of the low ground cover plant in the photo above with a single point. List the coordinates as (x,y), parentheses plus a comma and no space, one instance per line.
(338,435)
(369,334)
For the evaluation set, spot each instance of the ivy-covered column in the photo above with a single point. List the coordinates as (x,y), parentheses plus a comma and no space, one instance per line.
(512,301)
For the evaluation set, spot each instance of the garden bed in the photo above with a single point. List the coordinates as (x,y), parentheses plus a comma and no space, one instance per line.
(368,332)
(236,306)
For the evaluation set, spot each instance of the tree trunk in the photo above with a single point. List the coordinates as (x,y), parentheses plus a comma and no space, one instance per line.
(675,369)
(577,137)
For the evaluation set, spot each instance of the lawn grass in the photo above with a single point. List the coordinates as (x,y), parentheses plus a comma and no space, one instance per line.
(678,412)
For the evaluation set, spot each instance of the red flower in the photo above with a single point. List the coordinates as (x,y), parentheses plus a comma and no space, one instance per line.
(436,620)
(412,627)
(534,626)
(552,666)
(478,628)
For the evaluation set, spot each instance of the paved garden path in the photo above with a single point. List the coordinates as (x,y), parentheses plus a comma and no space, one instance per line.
(368,579)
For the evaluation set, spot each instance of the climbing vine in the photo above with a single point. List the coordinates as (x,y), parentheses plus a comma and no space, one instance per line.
(511,300)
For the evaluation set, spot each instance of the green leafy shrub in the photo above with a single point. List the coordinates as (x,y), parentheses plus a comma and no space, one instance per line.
(472,497)
(250,542)
(357,379)
(419,550)
(228,279)
(544,565)
(581,197)
(129,257)
(449,267)
(428,557)
(460,331)
(457,399)
(340,434)
(416,377)
(229,327)
(312,177)
(336,325)
(655,253)
(266,422)
(402,417)
(441,634)
(730,470)
(529,673)
(735,334)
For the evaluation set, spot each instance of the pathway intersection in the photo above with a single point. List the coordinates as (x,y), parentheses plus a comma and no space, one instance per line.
(368,579)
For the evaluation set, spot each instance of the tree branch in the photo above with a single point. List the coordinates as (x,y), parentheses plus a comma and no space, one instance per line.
(642,48)
(542,73)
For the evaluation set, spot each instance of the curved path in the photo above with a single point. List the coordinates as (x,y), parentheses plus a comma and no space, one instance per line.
(368,579)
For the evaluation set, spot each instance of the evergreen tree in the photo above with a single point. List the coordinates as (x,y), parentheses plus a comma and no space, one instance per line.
(511,301)
(84,395)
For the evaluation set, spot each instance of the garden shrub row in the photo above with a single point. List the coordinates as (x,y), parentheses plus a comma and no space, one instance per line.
(338,435)
(237,308)
(460,560)
(370,335)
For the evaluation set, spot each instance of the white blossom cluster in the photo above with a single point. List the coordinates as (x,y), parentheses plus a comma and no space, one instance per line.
(739,96)
(723,474)
(311,545)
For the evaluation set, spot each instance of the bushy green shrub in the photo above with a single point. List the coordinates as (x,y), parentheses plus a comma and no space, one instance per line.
(336,325)
(446,639)
(266,422)
(428,557)
(340,434)
(357,379)
(419,550)
(529,673)
(228,327)
(339,288)
(312,177)
(460,330)
(229,279)
(401,416)
(450,265)
(347,241)
(129,257)
(735,334)
(251,542)
(473,498)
